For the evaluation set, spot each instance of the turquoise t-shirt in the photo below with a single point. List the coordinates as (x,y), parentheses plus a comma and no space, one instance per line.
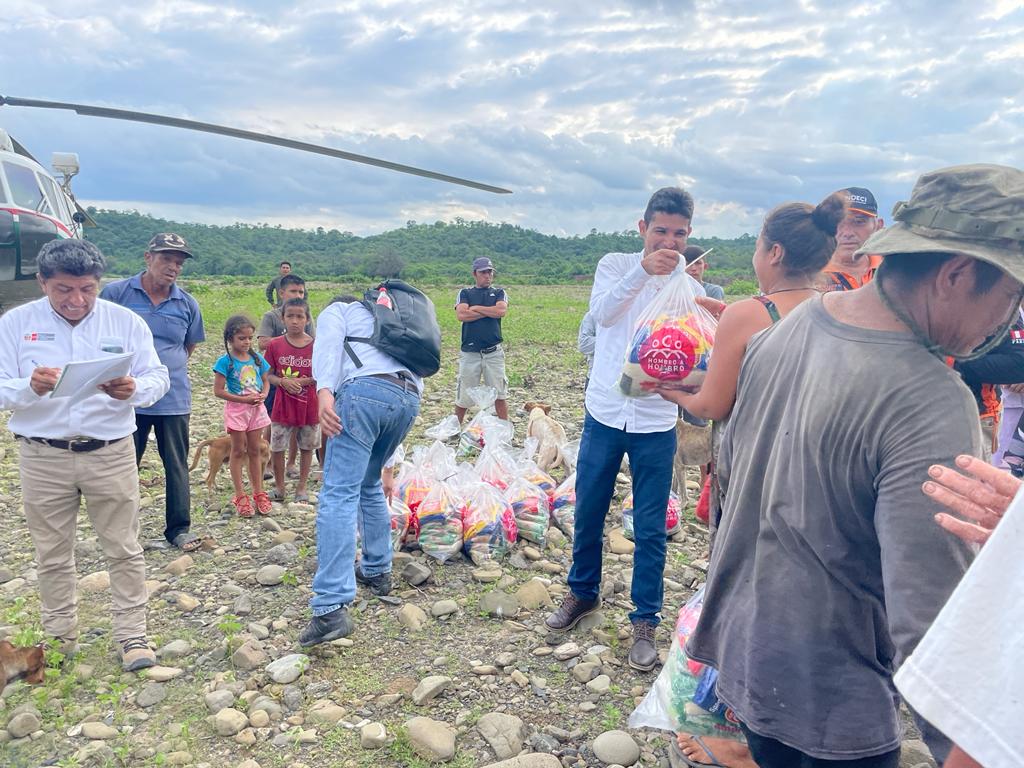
(242,377)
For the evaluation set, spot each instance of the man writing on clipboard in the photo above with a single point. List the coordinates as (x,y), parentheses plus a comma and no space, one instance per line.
(78,445)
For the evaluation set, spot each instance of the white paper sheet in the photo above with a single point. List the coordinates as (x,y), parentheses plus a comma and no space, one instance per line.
(79,379)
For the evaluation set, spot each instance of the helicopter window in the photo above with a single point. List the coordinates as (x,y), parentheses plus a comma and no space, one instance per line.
(3,188)
(55,196)
(25,188)
(35,232)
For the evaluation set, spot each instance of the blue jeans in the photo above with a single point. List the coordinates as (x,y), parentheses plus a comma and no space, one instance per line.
(375,417)
(650,460)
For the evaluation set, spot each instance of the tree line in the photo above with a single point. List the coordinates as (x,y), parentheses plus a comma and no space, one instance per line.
(438,252)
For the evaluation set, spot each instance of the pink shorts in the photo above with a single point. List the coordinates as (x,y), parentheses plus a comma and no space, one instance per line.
(240,417)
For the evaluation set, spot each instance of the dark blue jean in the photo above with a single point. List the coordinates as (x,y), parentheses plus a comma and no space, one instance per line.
(375,417)
(650,460)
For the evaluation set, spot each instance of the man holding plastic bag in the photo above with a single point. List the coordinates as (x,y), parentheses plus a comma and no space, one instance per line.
(626,284)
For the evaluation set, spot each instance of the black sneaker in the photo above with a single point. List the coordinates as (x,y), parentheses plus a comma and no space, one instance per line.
(330,626)
(380,585)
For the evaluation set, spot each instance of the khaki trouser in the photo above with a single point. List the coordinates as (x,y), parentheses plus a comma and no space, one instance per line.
(475,367)
(52,482)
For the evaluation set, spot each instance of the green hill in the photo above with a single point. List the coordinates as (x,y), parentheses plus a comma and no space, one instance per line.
(427,252)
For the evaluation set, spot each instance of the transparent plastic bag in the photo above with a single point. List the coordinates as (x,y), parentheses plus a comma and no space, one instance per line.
(670,704)
(440,523)
(563,506)
(571,452)
(495,466)
(401,517)
(671,342)
(531,507)
(673,515)
(488,523)
(413,480)
(536,476)
(444,429)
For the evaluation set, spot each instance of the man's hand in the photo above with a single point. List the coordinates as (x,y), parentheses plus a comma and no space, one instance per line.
(291,386)
(43,380)
(120,388)
(983,497)
(660,262)
(387,481)
(330,422)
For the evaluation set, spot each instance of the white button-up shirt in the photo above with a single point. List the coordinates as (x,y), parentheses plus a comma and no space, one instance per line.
(35,335)
(622,291)
(332,365)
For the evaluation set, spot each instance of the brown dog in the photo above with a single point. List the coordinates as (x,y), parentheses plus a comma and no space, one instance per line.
(550,436)
(21,662)
(220,454)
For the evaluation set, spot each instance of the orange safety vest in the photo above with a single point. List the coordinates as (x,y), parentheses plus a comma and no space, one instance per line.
(843,281)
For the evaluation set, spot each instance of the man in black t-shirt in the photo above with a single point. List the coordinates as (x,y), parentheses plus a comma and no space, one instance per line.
(482,359)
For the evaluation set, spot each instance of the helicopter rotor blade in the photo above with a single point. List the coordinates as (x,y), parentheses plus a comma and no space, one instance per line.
(237,133)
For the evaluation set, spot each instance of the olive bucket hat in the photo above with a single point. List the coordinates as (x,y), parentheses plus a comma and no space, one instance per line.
(977,210)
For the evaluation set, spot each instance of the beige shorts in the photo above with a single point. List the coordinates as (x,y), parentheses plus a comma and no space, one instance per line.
(475,369)
(308,437)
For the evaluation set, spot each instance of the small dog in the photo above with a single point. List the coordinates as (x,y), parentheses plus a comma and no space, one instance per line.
(550,435)
(21,662)
(220,454)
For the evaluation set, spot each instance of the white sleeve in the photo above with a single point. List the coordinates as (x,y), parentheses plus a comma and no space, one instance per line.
(966,677)
(614,289)
(15,391)
(329,347)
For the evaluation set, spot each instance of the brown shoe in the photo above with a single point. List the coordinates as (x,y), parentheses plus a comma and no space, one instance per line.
(570,612)
(136,654)
(643,655)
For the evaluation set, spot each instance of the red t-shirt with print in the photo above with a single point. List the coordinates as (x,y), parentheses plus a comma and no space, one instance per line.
(288,361)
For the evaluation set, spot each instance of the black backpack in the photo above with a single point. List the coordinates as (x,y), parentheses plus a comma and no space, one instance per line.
(407,331)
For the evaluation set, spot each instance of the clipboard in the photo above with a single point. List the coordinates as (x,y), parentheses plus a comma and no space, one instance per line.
(79,379)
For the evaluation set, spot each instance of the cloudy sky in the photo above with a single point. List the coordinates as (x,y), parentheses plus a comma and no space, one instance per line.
(582,108)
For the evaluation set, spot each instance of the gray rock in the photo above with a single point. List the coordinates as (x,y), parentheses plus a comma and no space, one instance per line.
(6,574)
(566,651)
(218,700)
(430,688)
(528,761)
(373,736)
(416,573)
(542,742)
(411,617)
(443,608)
(99,731)
(600,684)
(270,575)
(249,655)
(242,605)
(151,694)
(175,650)
(287,669)
(533,595)
(292,698)
(586,671)
(499,604)
(22,724)
(431,739)
(616,747)
(229,721)
(283,554)
(503,732)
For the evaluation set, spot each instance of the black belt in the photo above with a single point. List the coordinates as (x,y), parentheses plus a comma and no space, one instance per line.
(399,381)
(489,350)
(79,445)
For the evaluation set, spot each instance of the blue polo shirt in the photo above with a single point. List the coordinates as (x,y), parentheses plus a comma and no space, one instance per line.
(176,323)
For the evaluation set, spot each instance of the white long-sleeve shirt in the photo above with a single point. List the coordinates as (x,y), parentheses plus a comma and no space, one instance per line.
(35,335)
(332,366)
(622,290)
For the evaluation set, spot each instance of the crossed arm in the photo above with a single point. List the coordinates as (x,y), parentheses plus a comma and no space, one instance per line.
(467,314)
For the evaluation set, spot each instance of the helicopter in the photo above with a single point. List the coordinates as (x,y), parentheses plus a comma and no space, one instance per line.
(36,208)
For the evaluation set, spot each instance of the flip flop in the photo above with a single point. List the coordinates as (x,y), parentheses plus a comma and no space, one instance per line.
(302,497)
(677,759)
(276,495)
(187,541)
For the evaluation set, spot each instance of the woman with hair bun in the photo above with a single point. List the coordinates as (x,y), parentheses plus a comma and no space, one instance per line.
(796,242)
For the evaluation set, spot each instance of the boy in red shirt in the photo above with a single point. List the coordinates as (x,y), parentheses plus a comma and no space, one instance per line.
(295,408)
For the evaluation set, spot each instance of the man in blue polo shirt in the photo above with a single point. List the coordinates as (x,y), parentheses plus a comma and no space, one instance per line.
(177,325)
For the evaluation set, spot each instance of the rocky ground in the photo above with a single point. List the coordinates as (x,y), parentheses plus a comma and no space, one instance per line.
(455,666)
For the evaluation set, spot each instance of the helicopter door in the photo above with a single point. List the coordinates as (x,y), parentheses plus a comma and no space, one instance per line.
(8,246)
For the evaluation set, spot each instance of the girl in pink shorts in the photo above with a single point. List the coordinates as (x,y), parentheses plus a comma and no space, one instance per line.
(240,379)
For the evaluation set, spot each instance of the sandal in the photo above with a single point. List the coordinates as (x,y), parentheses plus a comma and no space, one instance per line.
(276,495)
(677,759)
(302,497)
(243,506)
(262,502)
(187,541)
(292,472)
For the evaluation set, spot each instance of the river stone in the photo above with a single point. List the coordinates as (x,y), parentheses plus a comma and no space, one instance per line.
(430,688)
(180,565)
(270,575)
(443,608)
(160,674)
(175,649)
(533,595)
(416,573)
(229,721)
(284,553)
(411,617)
(99,731)
(616,747)
(372,736)
(152,693)
(94,582)
(528,761)
(22,724)
(503,732)
(287,669)
(499,604)
(431,739)
(218,700)
(619,544)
